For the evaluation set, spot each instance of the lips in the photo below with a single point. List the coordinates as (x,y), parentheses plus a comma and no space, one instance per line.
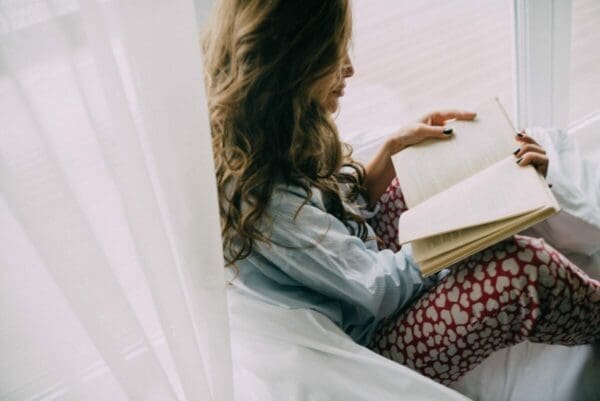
(339,91)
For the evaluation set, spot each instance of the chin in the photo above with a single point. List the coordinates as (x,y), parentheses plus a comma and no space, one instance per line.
(333,106)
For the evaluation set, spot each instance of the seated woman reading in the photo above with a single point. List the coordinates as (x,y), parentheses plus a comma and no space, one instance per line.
(306,226)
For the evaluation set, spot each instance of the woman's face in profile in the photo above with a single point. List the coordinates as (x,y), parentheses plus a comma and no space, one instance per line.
(331,87)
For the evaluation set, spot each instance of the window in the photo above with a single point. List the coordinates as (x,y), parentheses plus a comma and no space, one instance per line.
(411,57)
(584,88)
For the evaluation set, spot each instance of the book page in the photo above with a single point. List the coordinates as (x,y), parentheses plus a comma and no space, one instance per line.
(502,190)
(434,165)
(437,245)
(503,231)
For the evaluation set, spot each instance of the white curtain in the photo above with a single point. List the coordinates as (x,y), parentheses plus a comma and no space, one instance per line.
(111,272)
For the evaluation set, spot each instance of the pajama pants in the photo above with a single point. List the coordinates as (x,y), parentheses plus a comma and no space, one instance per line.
(519,289)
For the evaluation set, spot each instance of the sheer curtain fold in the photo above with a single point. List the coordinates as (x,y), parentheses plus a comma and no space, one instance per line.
(109,198)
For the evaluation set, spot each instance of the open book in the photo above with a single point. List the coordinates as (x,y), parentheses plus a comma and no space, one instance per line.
(467,193)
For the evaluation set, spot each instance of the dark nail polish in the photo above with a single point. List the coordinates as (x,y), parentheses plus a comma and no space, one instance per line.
(519,160)
(447,131)
(516,151)
(520,135)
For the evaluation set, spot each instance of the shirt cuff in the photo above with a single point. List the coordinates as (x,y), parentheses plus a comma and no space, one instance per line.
(363,207)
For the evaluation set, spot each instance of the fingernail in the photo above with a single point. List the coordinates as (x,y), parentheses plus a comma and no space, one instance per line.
(520,135)
(516,151)
(519,160)
(447,131)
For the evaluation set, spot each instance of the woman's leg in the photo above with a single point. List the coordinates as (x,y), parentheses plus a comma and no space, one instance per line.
(518,289)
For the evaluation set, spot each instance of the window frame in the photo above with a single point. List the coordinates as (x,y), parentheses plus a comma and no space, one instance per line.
(542,41)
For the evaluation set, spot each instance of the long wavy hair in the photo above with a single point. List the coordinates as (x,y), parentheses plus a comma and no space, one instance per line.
(263,60)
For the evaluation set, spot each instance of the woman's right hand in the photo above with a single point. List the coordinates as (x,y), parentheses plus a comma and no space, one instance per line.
(430,126)
(379,172)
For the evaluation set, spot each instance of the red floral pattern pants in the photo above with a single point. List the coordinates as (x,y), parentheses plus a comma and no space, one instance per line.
(519,289)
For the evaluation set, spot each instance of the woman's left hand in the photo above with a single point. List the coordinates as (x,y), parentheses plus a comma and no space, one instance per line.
(530,152)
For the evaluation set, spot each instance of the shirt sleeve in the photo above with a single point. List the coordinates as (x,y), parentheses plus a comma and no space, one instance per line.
(360,205)
(318,251)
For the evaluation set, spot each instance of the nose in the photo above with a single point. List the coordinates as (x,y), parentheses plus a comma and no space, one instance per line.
(347,67)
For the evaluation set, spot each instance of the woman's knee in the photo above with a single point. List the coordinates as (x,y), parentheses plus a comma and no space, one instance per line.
(544,272)
(514,272)
(535,260)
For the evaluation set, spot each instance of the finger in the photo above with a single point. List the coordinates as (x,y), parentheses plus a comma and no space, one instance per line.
(532,158)
(433,131)
(529,147)
(523,137)
(440,117)
(538,160)
(426,119)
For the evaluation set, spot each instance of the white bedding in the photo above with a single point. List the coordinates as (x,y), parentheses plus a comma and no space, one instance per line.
(299,355)
(293,355)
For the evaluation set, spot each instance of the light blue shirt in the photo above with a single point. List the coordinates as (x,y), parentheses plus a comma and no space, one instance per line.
(314,262)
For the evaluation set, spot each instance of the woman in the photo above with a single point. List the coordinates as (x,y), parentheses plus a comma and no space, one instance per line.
(296,209)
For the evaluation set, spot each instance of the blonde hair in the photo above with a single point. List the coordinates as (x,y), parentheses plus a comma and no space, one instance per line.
(262,61)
